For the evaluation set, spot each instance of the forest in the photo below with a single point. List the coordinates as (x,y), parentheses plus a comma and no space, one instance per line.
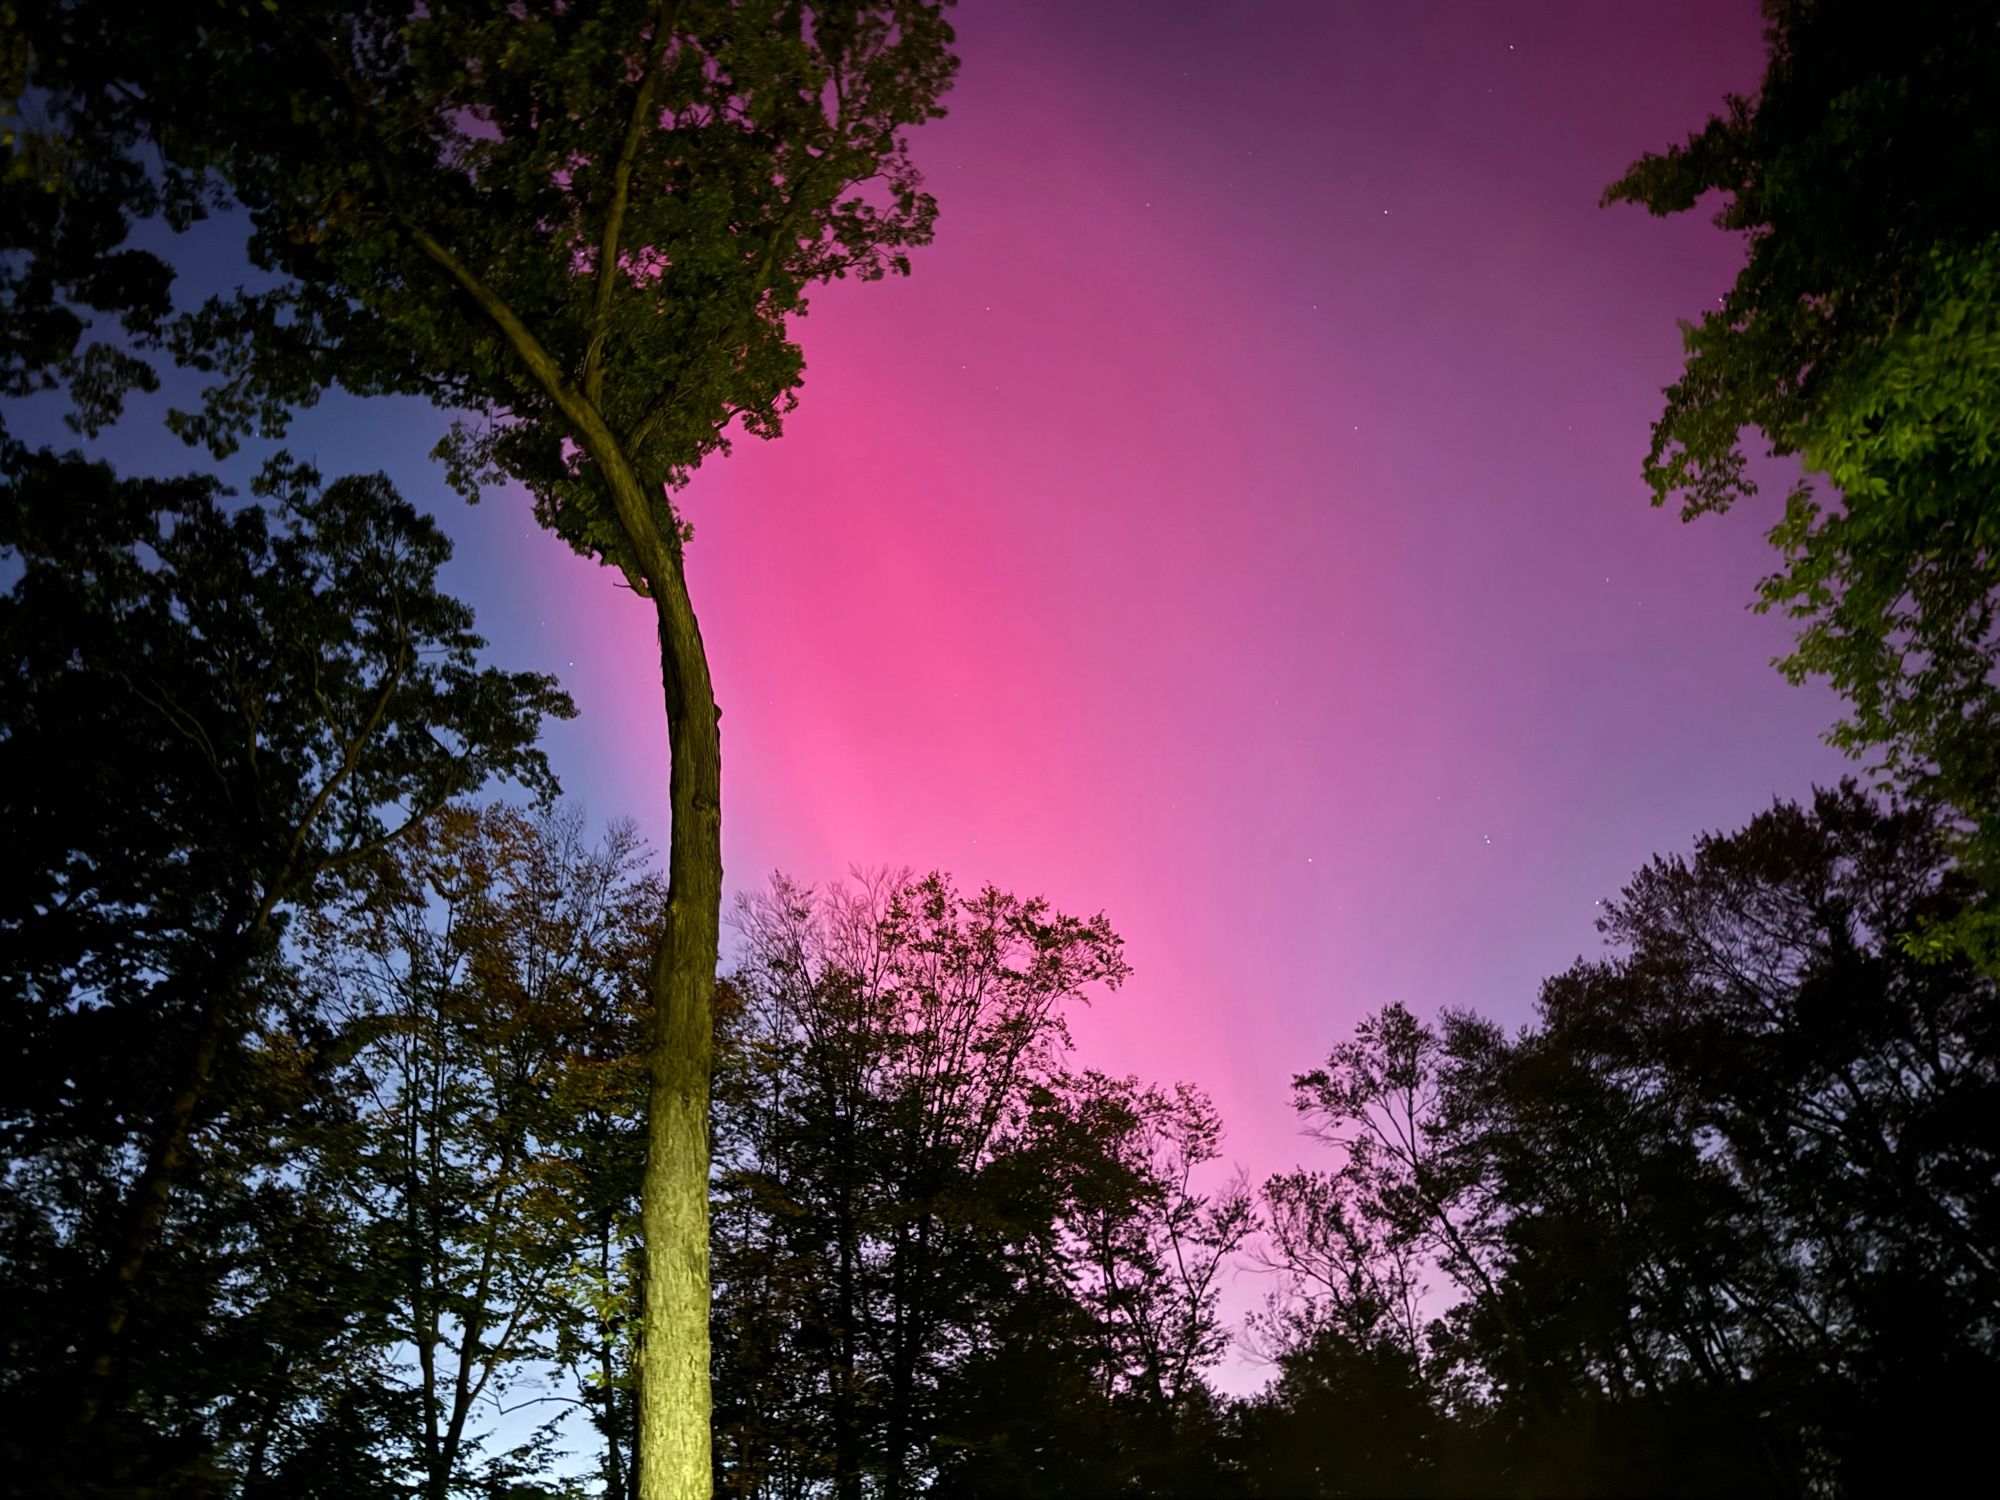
(381,1121)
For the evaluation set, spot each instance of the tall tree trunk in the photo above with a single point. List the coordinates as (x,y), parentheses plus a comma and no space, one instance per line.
(673,1452)
(674,1401)
(616,1485)
(146,1209)
(908,1285)
(254,1480)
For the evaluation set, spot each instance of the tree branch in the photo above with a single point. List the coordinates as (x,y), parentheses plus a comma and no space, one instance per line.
(614,214)
(654,569)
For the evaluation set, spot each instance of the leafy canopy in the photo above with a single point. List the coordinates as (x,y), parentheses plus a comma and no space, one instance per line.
(1863,337)
(209,712)
(211,716)
(585,225)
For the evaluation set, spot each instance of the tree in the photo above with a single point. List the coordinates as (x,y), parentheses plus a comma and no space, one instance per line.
(253,1352)
(1719,1221)
(1630,1274)
(1863,337)
(588,227)
(68,203)
(1850,1091)
(1346,1270)
(945,1261)
(925,1221)
(893,1032)
(1344,1417)
(1406,1165)
(208,716)
(481,981)
(1147,1247)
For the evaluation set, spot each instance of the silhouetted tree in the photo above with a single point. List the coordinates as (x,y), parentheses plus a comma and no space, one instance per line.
(1851,1093)
(1734,1189)
(924,1215)
(1343,1417)
(1116,1279)
(207,718)
(484,982)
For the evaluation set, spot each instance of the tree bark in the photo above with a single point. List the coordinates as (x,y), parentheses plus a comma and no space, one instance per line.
(674,1400)
(674,1447)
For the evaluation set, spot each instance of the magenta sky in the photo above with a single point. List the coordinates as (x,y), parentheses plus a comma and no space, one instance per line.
(1234,525)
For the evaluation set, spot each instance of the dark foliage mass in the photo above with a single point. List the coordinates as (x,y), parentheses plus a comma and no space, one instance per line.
(946,1262)
(1723,1220)
(212,718)
(586,230)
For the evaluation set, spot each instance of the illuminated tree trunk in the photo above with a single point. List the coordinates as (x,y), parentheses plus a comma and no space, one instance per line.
(673,1355)
(673,1457)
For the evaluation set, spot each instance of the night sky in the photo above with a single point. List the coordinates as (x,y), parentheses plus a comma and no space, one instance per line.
(1234,525)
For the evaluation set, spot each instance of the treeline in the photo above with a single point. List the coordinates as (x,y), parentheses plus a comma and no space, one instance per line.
(324,1119)
(1723,1220)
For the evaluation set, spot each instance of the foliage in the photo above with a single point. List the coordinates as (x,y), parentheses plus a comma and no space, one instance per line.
(1344,1416)
(1719,1221)
(643,193)
(1734,1189)
(69,202)
(252,705)
(924,1216)
(209,718)
(587,227)
(1863,336)
(485,987)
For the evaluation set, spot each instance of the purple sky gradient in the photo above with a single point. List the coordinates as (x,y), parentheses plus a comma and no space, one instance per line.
(1234,525)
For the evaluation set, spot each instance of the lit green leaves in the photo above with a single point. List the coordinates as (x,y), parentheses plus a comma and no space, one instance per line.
(1863,337)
